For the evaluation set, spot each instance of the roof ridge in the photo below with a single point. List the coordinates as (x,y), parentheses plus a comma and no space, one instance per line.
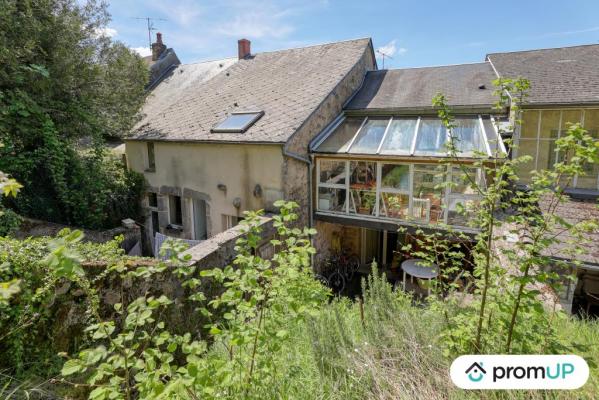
(433,66)
(543,49)
(314,45)
(208,61)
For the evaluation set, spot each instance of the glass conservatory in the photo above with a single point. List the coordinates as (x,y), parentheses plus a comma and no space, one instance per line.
(392,169)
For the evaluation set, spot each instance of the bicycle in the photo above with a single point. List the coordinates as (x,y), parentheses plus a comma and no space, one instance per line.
(339,270)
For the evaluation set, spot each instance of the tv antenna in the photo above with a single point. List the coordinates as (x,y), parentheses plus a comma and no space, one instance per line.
(150,27)
(384,55)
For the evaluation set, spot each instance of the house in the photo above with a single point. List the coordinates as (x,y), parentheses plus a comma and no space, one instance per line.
(564,89)
(222,137)
(360,149)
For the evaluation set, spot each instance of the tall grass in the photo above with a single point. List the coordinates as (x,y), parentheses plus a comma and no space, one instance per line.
(394,352)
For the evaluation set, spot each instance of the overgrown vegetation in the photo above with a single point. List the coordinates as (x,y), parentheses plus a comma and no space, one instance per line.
(63,83)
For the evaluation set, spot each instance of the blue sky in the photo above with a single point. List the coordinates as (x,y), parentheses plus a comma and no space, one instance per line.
(416,33)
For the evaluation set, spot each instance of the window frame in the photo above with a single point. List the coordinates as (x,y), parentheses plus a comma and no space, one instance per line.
(244,128)
(171,201)
(151,155)
(446,194)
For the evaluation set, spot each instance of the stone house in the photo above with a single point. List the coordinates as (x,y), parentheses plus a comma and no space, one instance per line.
(222,137)
(360,149)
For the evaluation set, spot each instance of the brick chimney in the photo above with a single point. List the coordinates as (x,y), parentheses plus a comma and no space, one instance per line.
(243,48)
(157,47)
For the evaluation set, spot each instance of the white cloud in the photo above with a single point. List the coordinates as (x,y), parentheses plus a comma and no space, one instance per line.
(142,51)
(257,25)
(106,32)
(390,49)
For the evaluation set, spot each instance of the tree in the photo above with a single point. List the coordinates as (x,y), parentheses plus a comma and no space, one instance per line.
(62,84)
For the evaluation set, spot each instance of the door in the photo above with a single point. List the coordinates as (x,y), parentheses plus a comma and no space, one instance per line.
(199,220)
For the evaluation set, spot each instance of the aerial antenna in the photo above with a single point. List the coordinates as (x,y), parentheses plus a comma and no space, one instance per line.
(384,55)
(150,27)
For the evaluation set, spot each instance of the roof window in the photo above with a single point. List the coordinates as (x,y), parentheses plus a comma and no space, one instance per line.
(238,122)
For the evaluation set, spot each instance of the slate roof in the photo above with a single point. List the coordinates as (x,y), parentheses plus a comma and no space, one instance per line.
(414,88)
(565,75)
(288,85)
(179,81)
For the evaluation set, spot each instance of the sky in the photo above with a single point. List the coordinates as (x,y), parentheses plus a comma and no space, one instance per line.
(412,33)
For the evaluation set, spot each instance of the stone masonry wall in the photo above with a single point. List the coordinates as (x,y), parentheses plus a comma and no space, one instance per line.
(295,172)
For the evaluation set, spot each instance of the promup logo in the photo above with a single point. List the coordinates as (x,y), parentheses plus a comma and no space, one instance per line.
(476,372)
(519,372)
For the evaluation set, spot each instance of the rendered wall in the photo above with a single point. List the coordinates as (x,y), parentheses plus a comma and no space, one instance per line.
(196,171)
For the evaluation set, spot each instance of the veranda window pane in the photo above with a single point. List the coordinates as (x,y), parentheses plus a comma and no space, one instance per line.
(462,179)
(332,172)
(431,137)
(362,185)
(530,124)
(461,211)
(394,205)
(591,122)
(399,137)
(395,176)
(370,136)
(550,124)
(427,204)
(467,136)
(331,199)
(339,140)
(570,117)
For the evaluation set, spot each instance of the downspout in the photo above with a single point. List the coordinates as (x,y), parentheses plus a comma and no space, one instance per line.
(310,165)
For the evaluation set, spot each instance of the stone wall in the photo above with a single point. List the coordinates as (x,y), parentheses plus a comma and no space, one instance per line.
(37,228)
(219,250)
(295,172)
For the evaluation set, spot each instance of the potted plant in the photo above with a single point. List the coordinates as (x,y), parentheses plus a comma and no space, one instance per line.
(368,200)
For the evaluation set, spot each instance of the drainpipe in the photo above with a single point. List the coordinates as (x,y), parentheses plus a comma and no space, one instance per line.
(309,163)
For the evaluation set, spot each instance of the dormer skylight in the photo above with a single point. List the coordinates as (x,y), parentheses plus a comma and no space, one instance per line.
(238,122)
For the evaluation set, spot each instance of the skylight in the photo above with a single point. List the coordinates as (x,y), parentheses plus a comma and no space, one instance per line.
(238,122)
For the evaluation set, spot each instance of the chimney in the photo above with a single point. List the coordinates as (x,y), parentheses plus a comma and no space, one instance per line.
(157,47)
(243,48)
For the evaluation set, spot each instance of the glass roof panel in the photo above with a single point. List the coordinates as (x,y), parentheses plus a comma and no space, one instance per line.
(370,136)
(468,136)
(339,140)
(399,137)
(495,142)
(431,138)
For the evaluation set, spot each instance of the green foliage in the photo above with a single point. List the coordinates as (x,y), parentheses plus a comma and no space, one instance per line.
(510,313)
(10,221)
(63,84)
(33,270)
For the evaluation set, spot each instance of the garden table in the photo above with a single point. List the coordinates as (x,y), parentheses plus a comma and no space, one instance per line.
(415,268)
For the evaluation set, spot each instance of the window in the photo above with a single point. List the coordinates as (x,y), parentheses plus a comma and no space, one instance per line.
(339,140)
(151,157)
(398,191)
(538,134)
(229,221)
(362,187)
(200,226)
(332,191)
(238,122)
(153,200)
(463,199)
(428,200)
(394,199)
(175,210)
